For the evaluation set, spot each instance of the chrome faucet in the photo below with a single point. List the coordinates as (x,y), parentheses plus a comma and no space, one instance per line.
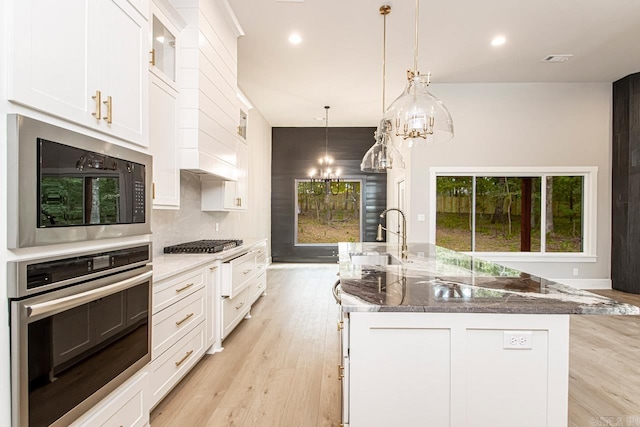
(402,234)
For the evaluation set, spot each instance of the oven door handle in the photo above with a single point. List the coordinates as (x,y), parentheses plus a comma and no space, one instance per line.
(71,301)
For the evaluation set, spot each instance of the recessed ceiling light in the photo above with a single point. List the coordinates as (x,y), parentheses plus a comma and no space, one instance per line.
(295,38)
(498,41)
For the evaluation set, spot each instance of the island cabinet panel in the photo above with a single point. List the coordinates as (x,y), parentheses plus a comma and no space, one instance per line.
(505,376)
(403,367)
(454,369)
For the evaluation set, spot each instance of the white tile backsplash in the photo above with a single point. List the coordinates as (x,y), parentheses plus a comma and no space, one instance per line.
(189,223)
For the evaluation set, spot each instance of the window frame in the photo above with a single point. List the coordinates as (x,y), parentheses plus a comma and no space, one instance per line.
(589,220)
(295,207)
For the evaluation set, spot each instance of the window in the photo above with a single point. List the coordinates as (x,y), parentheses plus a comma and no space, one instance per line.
(523,210)
(328,213)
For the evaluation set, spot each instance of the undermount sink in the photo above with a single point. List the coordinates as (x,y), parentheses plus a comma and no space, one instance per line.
(374,259)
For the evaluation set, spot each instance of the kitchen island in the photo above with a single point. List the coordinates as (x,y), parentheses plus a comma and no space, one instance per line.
(439,338)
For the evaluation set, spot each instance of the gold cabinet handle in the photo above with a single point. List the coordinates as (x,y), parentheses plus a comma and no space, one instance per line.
(98,98)
(184,288)
(213,268)
(109,104)
(247,271)
(340,372)
(340,325)
(186,356)
(239,305)
(153,191)
(238,201)
(153,57)
(187,317)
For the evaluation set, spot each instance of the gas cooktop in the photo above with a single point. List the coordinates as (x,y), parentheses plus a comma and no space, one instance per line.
(202,247)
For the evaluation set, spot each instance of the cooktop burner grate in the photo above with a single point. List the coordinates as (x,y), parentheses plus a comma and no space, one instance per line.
(202,246)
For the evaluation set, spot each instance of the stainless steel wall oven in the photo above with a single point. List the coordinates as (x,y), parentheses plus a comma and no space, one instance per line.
(66,187)
(80,326)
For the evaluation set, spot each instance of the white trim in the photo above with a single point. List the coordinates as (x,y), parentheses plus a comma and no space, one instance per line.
(589,220)
(533,257)
(360,180)
(231,18)
(586,283)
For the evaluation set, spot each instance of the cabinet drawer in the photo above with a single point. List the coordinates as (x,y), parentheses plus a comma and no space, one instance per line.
(233,310)
(124,407)
(167,292)
(167,370)
(258,287)
(173,323)
(261,262)
(237,273)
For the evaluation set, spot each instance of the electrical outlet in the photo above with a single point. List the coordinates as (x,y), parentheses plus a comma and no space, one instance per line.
(421,217)
(217,227)
(517,340)
(575,271)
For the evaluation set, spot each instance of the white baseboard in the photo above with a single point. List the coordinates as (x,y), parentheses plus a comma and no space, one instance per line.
(586,283)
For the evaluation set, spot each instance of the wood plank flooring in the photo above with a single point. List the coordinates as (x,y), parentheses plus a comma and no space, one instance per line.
(279,367)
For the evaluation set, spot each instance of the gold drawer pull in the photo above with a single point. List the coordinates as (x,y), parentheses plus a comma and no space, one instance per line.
(340,372)
(98,98)
(186,356)
(187,286)
(239,305)
(109,104)
(153,57)
(340,325)
(247,271)
(187,317)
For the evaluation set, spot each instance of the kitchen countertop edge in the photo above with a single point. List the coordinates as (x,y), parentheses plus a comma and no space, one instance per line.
(165,266)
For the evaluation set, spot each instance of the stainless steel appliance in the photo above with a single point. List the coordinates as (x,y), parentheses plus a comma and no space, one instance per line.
(80,326)
(202,246)
(67,187)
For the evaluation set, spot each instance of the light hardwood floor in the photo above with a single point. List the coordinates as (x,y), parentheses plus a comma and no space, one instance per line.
(279,367)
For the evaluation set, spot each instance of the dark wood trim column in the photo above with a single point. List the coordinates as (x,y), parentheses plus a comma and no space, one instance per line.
(625,194)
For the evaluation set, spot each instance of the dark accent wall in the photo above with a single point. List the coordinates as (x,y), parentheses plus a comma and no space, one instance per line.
(294,152)
(625,216)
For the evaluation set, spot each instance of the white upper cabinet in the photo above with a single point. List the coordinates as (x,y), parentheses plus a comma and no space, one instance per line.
(85,62)
(166,25)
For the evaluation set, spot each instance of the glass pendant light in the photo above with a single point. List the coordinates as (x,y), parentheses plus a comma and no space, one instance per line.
(416,115)
(383,155)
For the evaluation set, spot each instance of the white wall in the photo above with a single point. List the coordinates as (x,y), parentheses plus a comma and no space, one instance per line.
(190,223)
(537,124)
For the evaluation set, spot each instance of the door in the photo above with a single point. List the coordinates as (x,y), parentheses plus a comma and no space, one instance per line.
(163,136)
(123,70)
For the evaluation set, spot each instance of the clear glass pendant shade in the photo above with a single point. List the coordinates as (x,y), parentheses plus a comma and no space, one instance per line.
(383,155)
(417,115)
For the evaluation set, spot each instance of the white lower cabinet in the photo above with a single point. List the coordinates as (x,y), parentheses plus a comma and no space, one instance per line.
(455,370)
(234,309)
(173,323)
(181,313)
(127,406)
(168,369)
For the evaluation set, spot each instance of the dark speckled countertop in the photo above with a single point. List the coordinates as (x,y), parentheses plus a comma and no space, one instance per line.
(438,280)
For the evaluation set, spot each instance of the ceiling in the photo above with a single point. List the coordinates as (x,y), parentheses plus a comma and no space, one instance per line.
(339,62)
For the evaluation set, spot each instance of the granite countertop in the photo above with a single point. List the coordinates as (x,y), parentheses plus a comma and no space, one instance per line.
(165,266)
(438,280)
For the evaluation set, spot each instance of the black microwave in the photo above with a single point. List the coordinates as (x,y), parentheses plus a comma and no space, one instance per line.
(64,186)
